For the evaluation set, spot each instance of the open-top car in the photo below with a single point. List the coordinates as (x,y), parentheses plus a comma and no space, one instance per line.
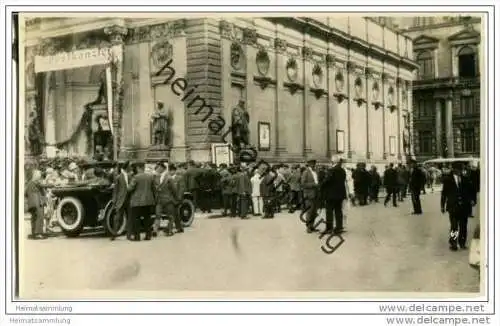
(89,204)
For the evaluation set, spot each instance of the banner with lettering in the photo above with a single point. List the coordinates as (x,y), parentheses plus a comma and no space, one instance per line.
(77,59)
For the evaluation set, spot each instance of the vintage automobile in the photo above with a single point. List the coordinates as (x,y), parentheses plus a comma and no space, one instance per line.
(87,204)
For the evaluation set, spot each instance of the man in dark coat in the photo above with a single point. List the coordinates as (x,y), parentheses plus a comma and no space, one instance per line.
(192,178)
(417,181)
(226,188)
(35,196)
(168,200)
(310,185)
(244,186)
(120,199)
(334,192)
(142,201)
(375,183)
(267,191)
(457,198)
(391,185)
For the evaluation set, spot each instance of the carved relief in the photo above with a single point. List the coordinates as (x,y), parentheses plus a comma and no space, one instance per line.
(230,31)
(161,53)
(358,87)
(339,81)
(390,98)
(237,57)
(307,53)
(330,60)
(263,62)
(116,33)
(155,32)
(291,69)
(280,45)
(250,36)
(339,87)
(375,91)
(317,76)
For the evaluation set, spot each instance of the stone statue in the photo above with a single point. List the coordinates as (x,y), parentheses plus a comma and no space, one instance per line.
(239,125)
(35,134)
(160,127)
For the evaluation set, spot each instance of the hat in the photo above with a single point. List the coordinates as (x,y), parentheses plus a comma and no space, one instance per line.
(457,165)
(161,165)
(72,166)
(311,161)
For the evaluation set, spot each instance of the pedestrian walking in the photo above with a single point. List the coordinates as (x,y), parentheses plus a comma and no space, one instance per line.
(457,198)
(391,185)
(244,192)
(417,181)
(294,184)
(375,183)
(168,200)
(267,191)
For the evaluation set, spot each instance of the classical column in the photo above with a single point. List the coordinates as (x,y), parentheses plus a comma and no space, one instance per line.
(449,126)
(454,61)
(384,147)
(367,109)
(49,107)
(349,101)
(399,82)
(280,48)
(306,66)
(116,35)
(439,128)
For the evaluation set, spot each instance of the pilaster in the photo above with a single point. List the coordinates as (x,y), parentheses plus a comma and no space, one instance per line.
(116,36)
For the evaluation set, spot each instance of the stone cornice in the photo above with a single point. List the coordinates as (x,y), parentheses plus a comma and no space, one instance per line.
(316,28)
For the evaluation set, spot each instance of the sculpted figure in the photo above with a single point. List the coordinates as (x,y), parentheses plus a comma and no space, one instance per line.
(160,127)
(239,124)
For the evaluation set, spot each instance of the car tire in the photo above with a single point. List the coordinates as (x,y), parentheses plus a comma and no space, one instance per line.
(108,216)
(186,212)
(70,205)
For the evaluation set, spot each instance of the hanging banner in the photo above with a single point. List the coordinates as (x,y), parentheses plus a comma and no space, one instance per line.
(109,97)
(78,58)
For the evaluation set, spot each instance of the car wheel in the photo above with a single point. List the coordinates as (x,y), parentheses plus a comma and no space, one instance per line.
(70,216)
(109,214)
(186,212)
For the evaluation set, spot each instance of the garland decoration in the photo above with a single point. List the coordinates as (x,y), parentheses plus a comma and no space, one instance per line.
(83,124)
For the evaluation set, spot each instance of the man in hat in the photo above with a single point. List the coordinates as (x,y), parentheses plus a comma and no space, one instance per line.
(120,199)
(391,185)
(457,198)
(417,181)
(310,185)
(142,201)
(168,200)
(334,193)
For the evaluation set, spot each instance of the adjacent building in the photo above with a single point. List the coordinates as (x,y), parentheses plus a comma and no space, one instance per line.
(313,86)
(446,93)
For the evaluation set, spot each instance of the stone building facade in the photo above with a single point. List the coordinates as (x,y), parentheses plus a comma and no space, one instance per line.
(446,93)
(318,86)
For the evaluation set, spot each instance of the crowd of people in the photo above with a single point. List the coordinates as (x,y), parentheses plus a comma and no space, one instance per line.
(245,190)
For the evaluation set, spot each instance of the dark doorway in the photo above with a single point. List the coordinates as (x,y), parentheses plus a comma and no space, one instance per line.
(467,62)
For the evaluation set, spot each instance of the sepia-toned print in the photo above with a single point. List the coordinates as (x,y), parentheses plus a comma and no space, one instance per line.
(256,153)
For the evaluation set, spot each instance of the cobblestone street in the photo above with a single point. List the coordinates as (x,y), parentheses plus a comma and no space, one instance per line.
(385,249)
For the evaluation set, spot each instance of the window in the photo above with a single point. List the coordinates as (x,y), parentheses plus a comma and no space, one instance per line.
(425,108)
(468,140)
(426,62)
(467,62)
(425,140)
(467,105)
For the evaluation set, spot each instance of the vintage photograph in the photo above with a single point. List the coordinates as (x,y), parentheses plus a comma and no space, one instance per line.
(249,153)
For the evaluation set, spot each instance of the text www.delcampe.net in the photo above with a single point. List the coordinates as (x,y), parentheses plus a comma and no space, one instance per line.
(434,320)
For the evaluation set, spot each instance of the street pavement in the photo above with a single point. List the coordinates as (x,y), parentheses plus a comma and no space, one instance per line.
(385,249)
